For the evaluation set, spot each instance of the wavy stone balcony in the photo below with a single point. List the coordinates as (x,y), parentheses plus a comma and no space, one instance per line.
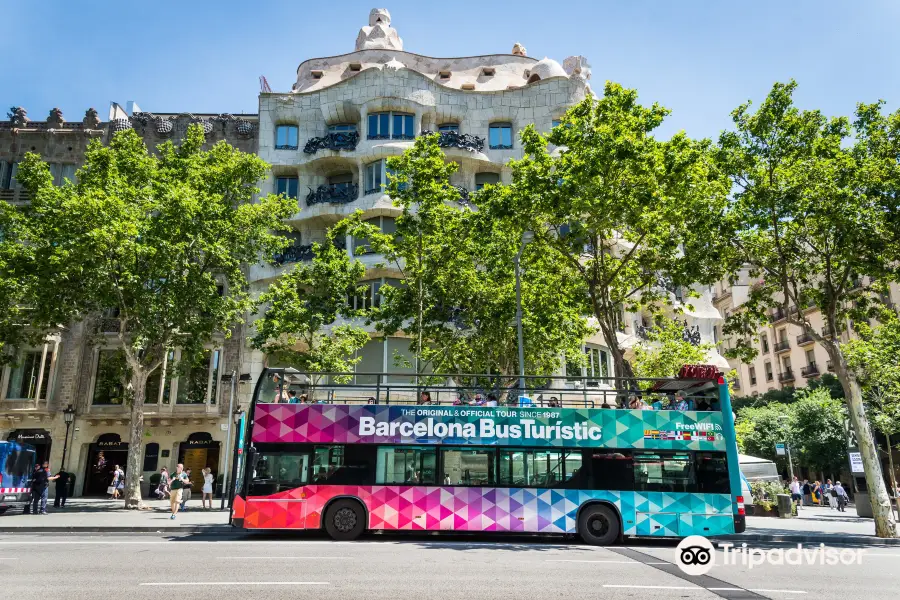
(336,140)
(338,193)
(292,254)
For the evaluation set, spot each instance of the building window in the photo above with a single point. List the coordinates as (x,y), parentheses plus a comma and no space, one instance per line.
(764,342)
(483,179)
(768,368)
(374,177)
(752,375)
(406,465)
(111,371)
(61,172)
(286,137)
(30,378)
(385,224)
(159,385)
(715,334)
(8,175)
(447,127)
(198,383)
(500,137)
(151,456)
(810,357)
(391,125)
(342,128)
(286,186)
(554,123)
(596,363)
(366,297)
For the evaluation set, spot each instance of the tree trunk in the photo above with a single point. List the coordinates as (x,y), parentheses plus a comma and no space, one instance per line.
(894,492)
(885,523)
(134,467)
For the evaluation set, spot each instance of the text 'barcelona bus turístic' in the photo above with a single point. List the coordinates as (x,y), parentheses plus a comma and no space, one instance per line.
(355,452)
(16,467)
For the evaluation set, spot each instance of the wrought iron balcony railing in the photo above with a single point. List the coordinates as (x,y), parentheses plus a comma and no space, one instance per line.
(810,370)
(335,193)
(786,376)
(336,140)
(463,141)
(292,254)
(830,366)
(782,346)
(804,339)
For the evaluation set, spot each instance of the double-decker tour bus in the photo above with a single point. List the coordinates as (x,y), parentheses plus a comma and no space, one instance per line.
(351,457)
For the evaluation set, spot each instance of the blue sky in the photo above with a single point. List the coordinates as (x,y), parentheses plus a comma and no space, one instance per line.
(699,58)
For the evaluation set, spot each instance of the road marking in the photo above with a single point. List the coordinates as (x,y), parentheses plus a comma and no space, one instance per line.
(618,562)
(655,587)
(195,583)
(869,554)
(282,557)
(780,591)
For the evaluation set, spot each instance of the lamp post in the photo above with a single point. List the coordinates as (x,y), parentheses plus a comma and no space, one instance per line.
(69,418)
(787,448)
(527,236)
(231,378)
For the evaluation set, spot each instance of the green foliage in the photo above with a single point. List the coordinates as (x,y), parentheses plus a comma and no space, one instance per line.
(631,215)
(457,300)
(302,306)
(666,351)
(818,424)
(759,429)
(765,493)
(154,238)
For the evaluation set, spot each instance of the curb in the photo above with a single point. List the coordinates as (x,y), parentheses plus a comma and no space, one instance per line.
(831,539)
(193,529)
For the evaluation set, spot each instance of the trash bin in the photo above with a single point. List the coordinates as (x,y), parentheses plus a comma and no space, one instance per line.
(784,506)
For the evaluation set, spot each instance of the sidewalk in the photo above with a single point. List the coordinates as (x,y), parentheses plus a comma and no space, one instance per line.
(100,514)
(813,525)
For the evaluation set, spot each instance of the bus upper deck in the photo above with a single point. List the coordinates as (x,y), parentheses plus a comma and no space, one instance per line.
(696,388)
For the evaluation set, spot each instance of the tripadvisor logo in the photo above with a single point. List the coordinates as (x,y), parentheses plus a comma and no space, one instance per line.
(695,555)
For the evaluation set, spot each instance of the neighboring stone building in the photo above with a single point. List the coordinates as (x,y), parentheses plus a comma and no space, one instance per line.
(786,357)
(185,417)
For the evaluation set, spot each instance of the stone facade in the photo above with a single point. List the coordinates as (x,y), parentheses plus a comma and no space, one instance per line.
(63,372)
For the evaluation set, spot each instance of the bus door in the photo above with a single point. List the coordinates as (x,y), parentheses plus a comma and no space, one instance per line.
(277,478)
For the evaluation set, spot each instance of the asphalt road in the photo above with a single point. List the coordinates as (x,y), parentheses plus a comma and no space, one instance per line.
(396,568)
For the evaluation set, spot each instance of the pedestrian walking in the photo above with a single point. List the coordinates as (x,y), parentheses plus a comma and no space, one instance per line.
(162,490)
(796,497)
(114,487)
(208,481)
(177,482)
(186,491)
(826,493)
(841,494)
(807,493)
(62,489)
(40,484)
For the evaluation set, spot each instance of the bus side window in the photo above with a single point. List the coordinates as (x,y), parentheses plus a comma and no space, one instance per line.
(292,471)
(663,472)
(712,473)
(612,470)
(575,477)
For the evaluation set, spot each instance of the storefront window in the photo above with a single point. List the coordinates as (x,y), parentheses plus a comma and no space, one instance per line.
(26,377)
(111,372)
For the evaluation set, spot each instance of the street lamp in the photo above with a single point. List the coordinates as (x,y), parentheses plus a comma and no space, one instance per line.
(527,236)
(787,447)
(69,418)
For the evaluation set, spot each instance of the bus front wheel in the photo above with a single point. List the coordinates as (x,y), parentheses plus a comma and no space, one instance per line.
(598,525)
(345,520)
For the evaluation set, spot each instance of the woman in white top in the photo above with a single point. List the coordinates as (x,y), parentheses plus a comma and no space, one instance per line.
(208,480)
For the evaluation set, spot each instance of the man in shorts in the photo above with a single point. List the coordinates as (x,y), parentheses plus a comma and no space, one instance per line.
(177,482)
(796,496)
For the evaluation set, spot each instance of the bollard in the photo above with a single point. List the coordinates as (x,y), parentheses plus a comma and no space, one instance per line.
(784,506)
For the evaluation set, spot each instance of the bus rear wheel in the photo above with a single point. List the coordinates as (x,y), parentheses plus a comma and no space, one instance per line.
(598,525)
(345,520)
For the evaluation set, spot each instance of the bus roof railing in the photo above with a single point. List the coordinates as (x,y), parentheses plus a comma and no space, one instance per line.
(482,389)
